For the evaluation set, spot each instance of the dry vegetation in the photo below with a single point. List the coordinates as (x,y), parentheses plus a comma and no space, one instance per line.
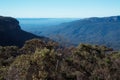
(38,60)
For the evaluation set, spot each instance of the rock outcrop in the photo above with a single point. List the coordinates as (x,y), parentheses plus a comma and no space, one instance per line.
(12,34)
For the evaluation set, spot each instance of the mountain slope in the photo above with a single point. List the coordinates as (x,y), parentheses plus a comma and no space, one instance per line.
(102,31)
(11,33)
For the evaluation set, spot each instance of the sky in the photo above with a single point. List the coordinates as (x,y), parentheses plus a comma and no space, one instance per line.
(59,8)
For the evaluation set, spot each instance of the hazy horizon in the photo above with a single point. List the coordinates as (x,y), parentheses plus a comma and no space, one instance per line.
(64,17)
(59,8)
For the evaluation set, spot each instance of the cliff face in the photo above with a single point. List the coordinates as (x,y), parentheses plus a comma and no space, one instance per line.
(8,24)
(11,33)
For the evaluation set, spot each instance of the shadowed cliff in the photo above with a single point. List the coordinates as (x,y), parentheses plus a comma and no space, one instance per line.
(12,34)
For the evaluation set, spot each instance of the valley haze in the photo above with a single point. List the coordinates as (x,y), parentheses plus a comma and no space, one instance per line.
(59,39)
(72,31)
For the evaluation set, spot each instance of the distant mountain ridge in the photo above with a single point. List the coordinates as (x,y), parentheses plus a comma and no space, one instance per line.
(103,19)
(101,31)
(12,34)
(94,30)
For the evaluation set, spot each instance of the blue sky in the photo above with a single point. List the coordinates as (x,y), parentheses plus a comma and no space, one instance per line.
(59,8)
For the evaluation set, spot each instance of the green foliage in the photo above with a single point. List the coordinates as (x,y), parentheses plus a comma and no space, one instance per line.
(18,69)
(48,61)
(31,45)
(7,56)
